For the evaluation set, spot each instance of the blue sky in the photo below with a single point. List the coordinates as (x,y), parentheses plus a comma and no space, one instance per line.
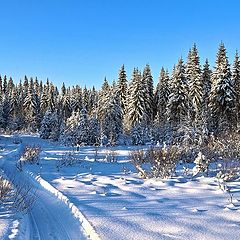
(81,42)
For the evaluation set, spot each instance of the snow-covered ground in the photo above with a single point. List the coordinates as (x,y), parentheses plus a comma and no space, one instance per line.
(116,202)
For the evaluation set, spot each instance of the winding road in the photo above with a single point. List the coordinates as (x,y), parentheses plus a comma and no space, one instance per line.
(49,218)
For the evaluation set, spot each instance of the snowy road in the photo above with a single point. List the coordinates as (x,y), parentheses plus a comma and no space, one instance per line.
(49,218)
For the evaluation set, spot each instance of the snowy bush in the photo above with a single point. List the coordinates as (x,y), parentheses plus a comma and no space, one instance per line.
(157,162)
(21,195)
(5,188)
(228,170)
(138,159)
(225,146)
(111,155)
(67,159)
(201,164)
(163,160)
(30,155)
(224,150)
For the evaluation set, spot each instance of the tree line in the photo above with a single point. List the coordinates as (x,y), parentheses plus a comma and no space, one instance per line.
(190,102)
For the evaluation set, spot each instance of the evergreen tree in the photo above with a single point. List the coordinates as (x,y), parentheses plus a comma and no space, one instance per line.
(1,116)
(206,75)
(44,101)
(25,86)
(14,110)
(104,97)
(1,87)
(69,133)
(147,80)
(52,98)
(112,120)
(36,86)
(136,99)
(6,109)
(82,128)
(122,88)
(66,108)
(236,84)
(5,84)
(161,97)
(195,83)
(76,99)
(93,101)
(50,126)
(10,85)
(32,107)
(63,89)
(223,95)
(177,106)
(85,98)
(94,130)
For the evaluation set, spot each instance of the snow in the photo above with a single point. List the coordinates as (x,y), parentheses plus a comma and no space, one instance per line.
(112,202)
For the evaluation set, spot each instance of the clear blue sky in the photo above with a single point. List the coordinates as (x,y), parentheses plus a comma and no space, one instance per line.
(78,41)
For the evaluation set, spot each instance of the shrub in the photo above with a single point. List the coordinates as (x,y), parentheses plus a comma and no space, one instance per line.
(5,188)
(30,155)
(67,159)
(21,195)
(201,164)
(138,159)
(162,161)
(111,156)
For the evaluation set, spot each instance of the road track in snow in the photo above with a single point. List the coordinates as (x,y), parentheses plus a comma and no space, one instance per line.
(49,218)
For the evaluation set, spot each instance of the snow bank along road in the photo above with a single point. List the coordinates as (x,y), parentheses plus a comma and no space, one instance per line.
(49,217)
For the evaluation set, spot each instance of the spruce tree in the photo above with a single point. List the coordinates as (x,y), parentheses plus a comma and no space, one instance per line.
(63,89)
(32,108)
(5,85)
(82,128)
(195,85)
(94,130)
(69,134)
(236,84)
(147,82)
(6,109)
(223,95)
(10,85)
(122,88)
(76,99)
(50,126)
(136,99)
(178,104)
(104,97)
(162,97)
(92,101)
(66,106)
(1,87)
(207,84)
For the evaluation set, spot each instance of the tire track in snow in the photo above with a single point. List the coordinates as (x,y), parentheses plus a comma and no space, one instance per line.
(49,218)
(34,234)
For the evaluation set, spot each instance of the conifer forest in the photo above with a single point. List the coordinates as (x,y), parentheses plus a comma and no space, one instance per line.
(192,102)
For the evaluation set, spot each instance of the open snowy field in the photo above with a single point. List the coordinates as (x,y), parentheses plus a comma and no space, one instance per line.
(111,201)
